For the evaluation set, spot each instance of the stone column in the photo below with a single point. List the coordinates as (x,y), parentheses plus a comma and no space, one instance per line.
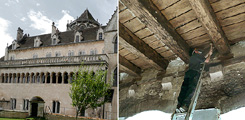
(1,81)
(69,79)
(57,77)
(46,77)
(21,78)
(51,78)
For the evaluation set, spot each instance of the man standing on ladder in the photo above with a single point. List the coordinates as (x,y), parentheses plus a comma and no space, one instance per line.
(191,78)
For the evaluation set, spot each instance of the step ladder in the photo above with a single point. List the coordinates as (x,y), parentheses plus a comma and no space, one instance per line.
(191,109)
(202,114)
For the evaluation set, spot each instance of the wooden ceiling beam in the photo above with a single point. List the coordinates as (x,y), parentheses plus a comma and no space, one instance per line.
(208,19)
(138,47)
(152,17)
(128,67)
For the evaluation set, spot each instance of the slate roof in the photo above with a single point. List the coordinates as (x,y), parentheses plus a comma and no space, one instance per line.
(87,16)
(66,37)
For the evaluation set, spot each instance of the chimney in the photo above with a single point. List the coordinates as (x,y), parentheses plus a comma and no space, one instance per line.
(19,34)
(53,29)
(6,53)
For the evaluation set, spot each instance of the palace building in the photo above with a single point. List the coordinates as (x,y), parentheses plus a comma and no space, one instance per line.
(36,70)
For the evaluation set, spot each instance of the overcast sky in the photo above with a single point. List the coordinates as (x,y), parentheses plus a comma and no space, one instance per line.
(36,16)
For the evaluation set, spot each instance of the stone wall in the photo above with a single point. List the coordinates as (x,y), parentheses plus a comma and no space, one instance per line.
(13,114)
(223,86)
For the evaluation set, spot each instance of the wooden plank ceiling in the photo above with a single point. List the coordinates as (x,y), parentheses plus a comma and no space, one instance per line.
(154,32)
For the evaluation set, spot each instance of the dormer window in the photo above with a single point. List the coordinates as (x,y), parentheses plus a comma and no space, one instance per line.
(100,36)
(15,45)
(54,41)
(78,37)
(37,42)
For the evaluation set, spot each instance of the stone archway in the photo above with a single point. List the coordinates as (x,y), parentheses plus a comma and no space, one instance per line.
(36,107)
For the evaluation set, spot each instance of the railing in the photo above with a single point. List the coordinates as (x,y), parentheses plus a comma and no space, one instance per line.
(101,58)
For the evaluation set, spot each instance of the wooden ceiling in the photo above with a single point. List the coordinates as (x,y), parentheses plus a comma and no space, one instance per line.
(154,32)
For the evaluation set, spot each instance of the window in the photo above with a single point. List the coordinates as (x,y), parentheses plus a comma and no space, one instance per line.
(91,52)
(71,53)
(56,107)
(12,57)
(14,46)
(25,104)
(48,54)
(77,38)
(35,56)
(57,54)
(115,45)
(82,52)
(54,41)
(115,78)
(13,103)
(100,36)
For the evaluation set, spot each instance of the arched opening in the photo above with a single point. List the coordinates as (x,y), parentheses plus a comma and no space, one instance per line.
(71,77)
(59,78)
(10,78)
(65,78)
(18,78)
(27,78)
(32,78)
(37,107)
(2,77)
(23,78)
(14,78)
(6,79)
(38,77)
(48,77)
(53,77)
(42,78)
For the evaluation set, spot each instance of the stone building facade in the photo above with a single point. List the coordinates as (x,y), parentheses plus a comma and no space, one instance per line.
(36,70)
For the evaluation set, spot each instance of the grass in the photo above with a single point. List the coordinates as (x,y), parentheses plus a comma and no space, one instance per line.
(10,119)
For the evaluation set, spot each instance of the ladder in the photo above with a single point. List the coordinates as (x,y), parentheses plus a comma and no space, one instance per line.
(190,112)
(191,109)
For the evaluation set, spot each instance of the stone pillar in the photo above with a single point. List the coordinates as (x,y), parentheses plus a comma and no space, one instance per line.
(51,78)
(57,77)
(46,77)
(1,81)
(69,79)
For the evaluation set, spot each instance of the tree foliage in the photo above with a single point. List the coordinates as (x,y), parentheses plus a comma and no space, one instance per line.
(88,89)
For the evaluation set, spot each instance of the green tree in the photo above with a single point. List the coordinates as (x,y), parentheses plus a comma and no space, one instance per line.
(88,89)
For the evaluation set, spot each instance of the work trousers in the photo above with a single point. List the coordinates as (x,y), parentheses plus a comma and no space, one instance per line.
(188,88)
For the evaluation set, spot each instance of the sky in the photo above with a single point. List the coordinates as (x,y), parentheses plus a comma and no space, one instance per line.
(35,17)
(237,114)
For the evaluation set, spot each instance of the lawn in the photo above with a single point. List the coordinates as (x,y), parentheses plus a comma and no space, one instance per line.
(10,119)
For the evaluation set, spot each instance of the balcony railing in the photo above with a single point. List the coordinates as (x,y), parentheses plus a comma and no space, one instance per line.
(85,59)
